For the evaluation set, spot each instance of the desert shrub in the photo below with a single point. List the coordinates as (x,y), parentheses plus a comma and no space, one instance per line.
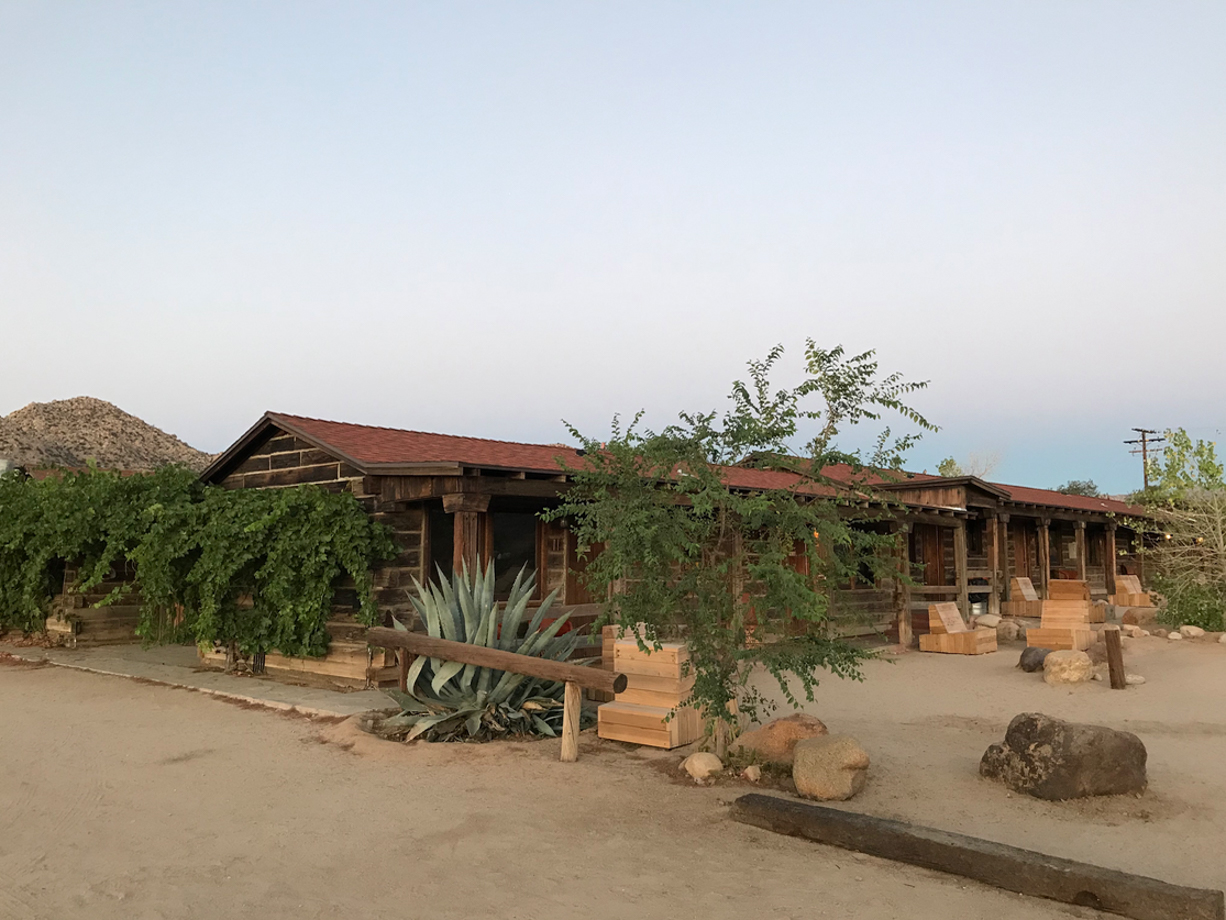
(449,701)
(1190,604)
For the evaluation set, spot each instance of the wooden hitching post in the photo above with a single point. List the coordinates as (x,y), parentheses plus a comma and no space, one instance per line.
(1115,657)
(572,701)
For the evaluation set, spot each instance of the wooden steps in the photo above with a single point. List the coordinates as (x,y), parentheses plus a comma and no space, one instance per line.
(651,710)
(1129,593)
(79,626)
(1066,617)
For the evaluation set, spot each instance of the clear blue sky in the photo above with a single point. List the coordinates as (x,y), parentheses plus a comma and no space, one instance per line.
(483,218)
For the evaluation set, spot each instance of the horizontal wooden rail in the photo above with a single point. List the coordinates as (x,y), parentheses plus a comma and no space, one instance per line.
(482,657)
(574,676)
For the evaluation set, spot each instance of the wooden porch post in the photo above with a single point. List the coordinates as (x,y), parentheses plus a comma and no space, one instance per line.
(1081,550)
(902,591)
(1044,557)
(469,541)
(1109,559)
(993,566)
(1005,575)
(964,600)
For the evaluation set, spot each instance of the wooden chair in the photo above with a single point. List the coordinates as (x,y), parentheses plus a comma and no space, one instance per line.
(1024,601)
(948,633)
(1129,593)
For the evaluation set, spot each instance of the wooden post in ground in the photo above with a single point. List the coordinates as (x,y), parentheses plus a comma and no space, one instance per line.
(1081,550)
(572,701)
(403,656)
(1109,559)
(1115,657)
(964,600)
(1044,558)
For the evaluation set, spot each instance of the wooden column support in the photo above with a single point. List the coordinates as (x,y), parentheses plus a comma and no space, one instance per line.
(1109,558)
(902,590)
(964,599)
(1081,550)
(1044,558)
(994,595)
(468,548)
(1006,576)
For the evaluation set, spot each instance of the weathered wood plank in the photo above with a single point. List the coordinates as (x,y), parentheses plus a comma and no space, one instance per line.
(1011,868)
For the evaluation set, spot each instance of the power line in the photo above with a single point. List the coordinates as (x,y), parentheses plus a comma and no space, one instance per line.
(1145,441)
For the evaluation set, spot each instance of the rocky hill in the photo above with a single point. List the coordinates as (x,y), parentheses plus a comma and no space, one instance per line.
(68,432)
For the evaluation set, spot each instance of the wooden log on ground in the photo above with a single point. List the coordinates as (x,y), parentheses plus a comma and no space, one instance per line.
(996,864)
(1115,657)
(482,657)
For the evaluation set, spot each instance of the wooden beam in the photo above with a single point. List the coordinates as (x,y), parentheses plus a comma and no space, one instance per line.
(466,501)
(1109,558)
(484,657)
(902,590)
(964,600)
(1081,549)
(997,864)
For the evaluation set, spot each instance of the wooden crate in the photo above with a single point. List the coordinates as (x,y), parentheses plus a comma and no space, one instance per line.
(972,642)
(1021,608)
(1068,589)
(648,725)
(1056,639)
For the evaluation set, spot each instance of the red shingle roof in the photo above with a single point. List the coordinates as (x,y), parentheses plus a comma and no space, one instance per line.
(370,447)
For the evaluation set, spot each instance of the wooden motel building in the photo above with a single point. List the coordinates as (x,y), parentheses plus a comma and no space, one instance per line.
(450,500)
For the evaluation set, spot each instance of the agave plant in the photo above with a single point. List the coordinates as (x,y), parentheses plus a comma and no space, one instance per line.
(449,701)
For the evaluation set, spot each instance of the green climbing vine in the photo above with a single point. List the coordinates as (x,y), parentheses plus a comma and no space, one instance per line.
(257,568)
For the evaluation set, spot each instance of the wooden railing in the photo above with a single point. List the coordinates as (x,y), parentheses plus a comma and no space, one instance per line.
(576,677)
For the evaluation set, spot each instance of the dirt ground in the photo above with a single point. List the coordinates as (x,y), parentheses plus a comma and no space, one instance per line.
(125,799)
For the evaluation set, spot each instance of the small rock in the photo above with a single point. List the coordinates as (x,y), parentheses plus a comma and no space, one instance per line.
(1032,659)
(702,766)
(1222,639)
(1159,633)
(775,741)
(1008,631)
(1133,679)
(1191,632)
(1055,760)
(753,773)
(1132,631)
(829,768)
(990,620)
(1067,666)
(1174,635)
(1146,633)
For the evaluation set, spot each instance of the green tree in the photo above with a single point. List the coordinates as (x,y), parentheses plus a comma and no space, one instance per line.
(950,468)
(724,530)
(1080,487)
(1183,466)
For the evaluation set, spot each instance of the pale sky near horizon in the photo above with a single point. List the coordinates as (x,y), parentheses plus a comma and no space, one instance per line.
(483,218)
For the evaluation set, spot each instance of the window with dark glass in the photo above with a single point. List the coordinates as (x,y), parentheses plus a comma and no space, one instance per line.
(514,546)
(442,543)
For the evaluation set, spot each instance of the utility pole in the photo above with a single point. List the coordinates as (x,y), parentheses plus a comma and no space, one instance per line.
(1145,441)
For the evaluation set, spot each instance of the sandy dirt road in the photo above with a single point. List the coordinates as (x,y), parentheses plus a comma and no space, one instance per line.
(126,800)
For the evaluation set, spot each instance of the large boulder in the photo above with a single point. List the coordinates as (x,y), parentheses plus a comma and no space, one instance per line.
(830,768)
(988,620)
(1032,659)
(775,741)
(1067,666)
(1009,630)
(1052,759)
(1139,616)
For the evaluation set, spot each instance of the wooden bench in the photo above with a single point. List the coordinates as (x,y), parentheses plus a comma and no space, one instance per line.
(1129,593)
(948,633)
